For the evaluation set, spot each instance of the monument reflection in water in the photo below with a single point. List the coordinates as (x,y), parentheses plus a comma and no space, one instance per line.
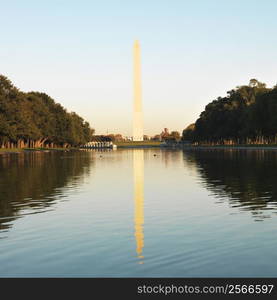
(138,163)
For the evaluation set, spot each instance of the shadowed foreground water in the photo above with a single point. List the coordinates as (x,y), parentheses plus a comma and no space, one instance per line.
(139,212)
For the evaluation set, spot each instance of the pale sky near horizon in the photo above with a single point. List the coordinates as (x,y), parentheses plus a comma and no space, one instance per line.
(80,54)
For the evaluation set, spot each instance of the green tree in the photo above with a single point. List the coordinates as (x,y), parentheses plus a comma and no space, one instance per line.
(246,115)
(35,120)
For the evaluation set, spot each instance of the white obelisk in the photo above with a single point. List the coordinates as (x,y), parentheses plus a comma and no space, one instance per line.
(137,118)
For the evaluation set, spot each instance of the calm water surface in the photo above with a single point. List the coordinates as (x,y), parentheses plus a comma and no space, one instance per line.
(135,213)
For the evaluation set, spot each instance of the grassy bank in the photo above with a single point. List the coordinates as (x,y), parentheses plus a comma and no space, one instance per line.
(266,146)
(12,150)
(142,144)
(49,149)
(21,150)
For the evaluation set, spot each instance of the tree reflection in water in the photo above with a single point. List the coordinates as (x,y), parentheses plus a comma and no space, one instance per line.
(246,177)
(32,182)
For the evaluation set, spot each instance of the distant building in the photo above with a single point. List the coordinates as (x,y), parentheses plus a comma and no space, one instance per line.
(99,141)
(165,133)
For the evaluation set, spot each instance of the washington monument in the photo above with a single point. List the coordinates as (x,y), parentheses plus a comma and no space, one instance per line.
(137,118)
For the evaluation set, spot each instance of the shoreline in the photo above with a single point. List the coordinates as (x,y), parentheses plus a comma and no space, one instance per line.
(224,147)
(4,151)
(172,147)
(138,146)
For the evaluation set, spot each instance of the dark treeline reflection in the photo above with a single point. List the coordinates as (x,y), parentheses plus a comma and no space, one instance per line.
(30,183)
(246,177)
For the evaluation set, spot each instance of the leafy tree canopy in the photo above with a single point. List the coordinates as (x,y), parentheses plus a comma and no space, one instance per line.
(248,114)
(35,120)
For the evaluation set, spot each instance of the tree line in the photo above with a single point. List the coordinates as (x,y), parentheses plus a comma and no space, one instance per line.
(247,115)
(33,119)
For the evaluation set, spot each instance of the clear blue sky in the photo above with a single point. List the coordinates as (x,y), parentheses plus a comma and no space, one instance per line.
(80,53)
